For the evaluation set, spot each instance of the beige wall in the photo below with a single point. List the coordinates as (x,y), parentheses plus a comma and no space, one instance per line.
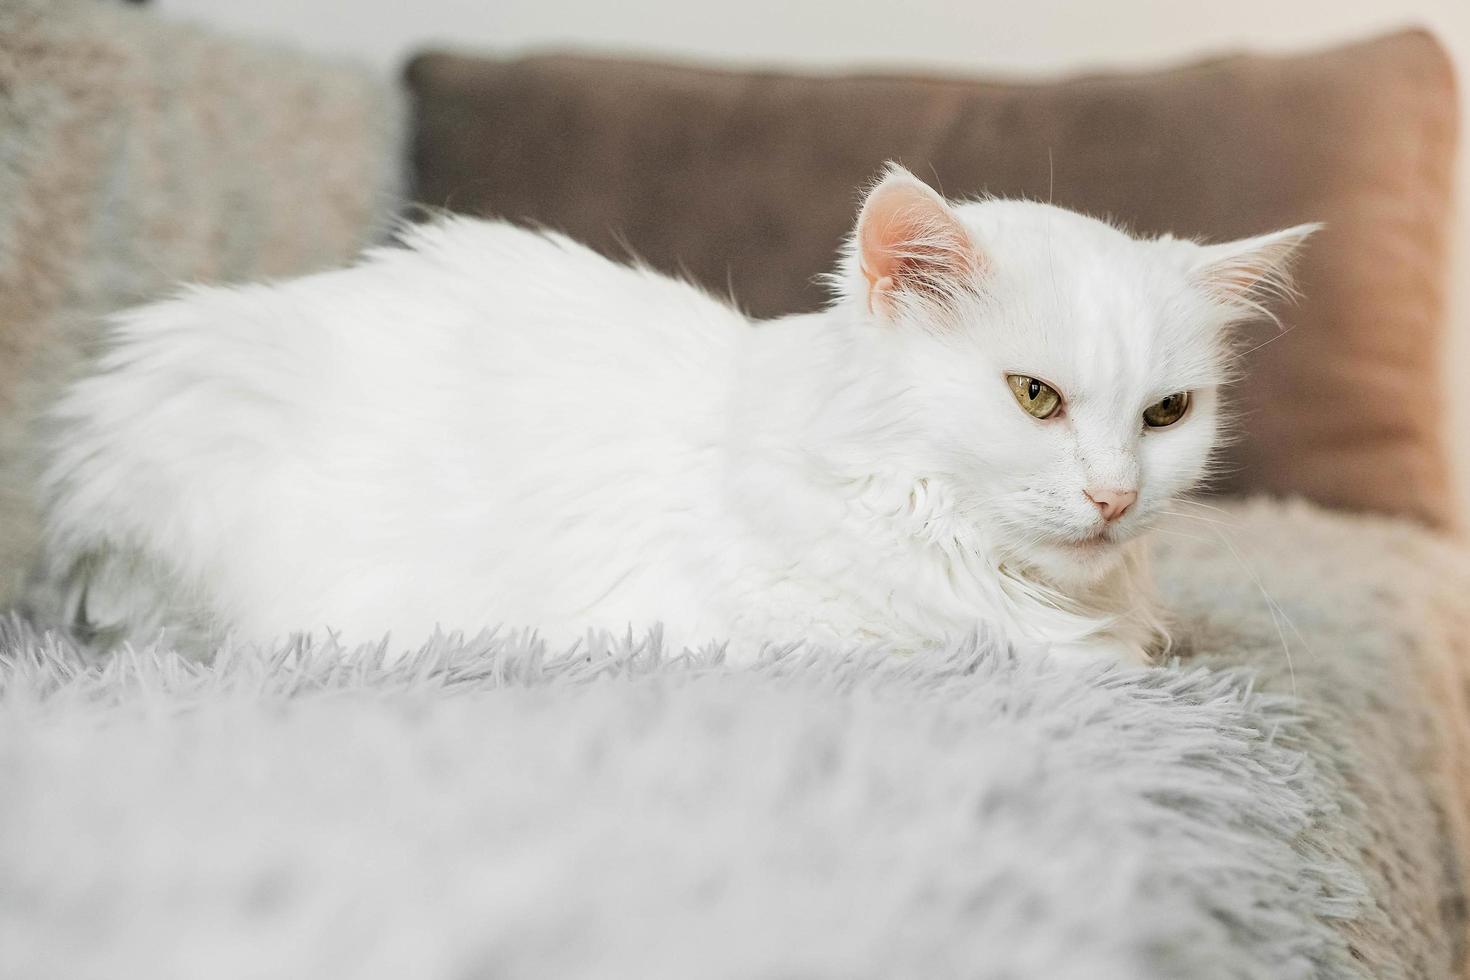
(1027,37)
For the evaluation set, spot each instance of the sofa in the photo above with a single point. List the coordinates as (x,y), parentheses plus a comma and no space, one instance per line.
(1288,796)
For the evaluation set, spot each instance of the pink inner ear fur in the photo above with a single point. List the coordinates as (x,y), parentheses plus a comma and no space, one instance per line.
(1255,271)
(909,239)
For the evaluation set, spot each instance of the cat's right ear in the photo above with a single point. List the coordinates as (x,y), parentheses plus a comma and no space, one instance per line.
(913,252)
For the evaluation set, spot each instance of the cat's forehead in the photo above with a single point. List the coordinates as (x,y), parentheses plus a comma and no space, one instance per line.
(1083,304)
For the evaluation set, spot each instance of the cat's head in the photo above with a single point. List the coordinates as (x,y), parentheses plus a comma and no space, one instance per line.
(1060,378)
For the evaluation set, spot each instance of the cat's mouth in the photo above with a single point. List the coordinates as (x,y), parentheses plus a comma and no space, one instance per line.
(1092,543)
(1100,534)
(1087,550)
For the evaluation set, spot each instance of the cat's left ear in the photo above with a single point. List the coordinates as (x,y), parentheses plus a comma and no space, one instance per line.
(1251,272)
(911,248)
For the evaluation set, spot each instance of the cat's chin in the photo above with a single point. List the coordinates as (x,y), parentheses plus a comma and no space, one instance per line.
(1077,564)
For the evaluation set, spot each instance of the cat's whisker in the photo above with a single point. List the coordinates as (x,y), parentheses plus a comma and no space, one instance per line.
(1197,502)
(1192,502)
(1279,618)
(1199,517)
(1278,614)
(1157,529)
(1226,520)
(1242,355)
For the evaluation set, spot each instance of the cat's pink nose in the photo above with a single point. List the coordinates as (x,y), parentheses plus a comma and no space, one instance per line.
(1112,502)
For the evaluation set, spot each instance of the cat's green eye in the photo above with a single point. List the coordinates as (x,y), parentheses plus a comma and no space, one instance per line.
(1167,411)
(1038,398)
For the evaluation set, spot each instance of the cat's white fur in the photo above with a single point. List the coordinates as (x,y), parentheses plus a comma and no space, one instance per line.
(489,425)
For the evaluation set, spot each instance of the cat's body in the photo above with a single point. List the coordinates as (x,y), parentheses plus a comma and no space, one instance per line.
(492,426)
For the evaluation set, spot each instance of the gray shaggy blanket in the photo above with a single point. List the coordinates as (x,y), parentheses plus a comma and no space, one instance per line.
(1284,801)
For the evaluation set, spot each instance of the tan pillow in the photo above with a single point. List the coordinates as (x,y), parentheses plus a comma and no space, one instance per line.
(748,181)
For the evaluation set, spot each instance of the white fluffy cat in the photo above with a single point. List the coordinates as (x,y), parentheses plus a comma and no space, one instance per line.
(489,425)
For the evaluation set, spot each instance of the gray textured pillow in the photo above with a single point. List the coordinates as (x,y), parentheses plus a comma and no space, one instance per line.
(135,154)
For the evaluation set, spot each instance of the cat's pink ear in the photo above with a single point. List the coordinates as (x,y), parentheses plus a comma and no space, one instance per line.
(1252,272)
(911,247)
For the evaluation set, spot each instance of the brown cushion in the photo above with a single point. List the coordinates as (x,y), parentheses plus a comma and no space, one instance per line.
(748,181)
(134,154)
